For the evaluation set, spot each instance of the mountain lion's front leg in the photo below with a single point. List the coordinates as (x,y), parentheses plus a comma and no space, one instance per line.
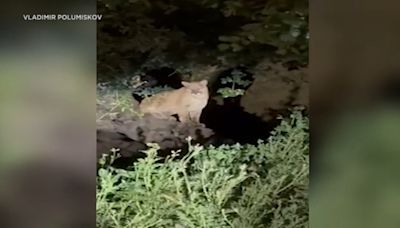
(184,117)
(195,116)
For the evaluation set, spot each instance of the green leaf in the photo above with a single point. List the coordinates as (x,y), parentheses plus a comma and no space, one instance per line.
(223,47)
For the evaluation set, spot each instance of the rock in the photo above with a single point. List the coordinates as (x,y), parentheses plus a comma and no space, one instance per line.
(130,134)
(275,88)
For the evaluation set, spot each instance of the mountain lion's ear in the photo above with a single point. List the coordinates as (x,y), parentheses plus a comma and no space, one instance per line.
(185,84)
(204,82)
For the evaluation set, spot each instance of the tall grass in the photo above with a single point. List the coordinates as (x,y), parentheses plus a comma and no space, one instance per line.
(241,186)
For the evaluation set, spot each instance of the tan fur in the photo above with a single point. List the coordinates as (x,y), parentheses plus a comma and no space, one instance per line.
(187,102)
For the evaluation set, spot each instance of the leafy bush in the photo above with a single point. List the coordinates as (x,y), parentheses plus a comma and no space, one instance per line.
(180,32)
(278,23)
(110,102)
(152,90)
(235,79)
(262,185)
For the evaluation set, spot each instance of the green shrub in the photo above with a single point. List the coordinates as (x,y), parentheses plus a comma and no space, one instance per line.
(133,33)
(236,79)
(111,102)
(262,185)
